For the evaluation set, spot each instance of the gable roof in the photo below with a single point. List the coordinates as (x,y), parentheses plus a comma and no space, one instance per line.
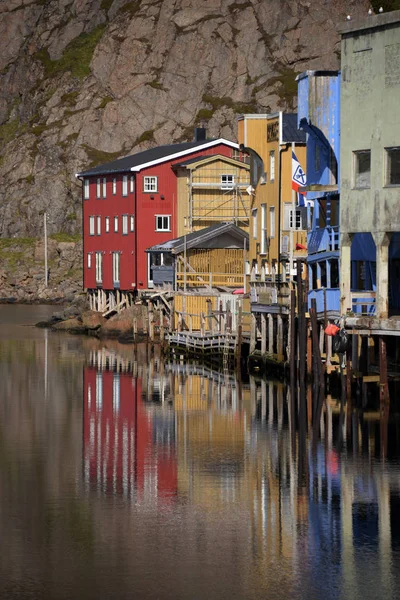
(153,156)
(201,238)
(197,160)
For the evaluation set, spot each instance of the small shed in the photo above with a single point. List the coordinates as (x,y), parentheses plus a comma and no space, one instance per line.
(214,257)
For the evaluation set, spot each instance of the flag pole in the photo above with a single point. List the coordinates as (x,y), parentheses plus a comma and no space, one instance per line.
(291,232)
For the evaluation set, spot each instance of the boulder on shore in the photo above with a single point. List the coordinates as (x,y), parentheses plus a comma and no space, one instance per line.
(92,320)
(71,325)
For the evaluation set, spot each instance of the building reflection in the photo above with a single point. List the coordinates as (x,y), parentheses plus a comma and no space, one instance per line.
(307,492)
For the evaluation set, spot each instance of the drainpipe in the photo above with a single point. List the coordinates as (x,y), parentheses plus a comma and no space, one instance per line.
(285,149)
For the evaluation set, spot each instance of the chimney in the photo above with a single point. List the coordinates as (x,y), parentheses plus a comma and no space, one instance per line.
(200,134)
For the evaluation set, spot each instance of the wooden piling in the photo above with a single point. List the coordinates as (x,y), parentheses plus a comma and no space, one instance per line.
(384,398)
(270,334)
(302,329)
(253,333)
(316,349)
(239,340)
(263,334)
(279,337)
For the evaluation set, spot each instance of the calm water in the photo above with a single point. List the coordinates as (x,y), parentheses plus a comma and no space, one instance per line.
(125,477)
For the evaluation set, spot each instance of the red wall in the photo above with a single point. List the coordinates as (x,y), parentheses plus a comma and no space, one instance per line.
(133,265)
(120,456)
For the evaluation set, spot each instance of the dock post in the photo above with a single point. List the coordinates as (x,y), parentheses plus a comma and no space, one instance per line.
(384,398)
(151,322)
(239,340)
(279,338)
(302,325)
(263,334)
(162,331)
(202,324)
(316,348)
(270,333)
(253,333)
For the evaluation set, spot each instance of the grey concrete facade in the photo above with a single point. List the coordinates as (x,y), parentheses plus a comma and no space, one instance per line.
(370,134)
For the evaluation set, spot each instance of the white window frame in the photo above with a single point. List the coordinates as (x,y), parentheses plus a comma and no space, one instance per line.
(388,152)
(116,393)
(164,224)
(89,260)
(91,225)
(114,186)
(125,185)
(107,224)
(254,215)
(116,267)
(116,224)
(86,189)
(98,187)
(300,218)
(150,184)
(357,154)
(227,181)
(104,187)
(132,223)
(98,228)
(124,224)
(272,221)
(263,240)
(272,165)
(99,267)
(132,184)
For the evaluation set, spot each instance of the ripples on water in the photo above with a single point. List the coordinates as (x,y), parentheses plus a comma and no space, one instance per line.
(123,476)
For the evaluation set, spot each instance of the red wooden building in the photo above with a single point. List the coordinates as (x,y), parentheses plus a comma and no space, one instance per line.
(129,205)
(129,449)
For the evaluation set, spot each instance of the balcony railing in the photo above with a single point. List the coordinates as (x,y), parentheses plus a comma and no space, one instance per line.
(325,239)
(209,279)
(363,302)
(327,299)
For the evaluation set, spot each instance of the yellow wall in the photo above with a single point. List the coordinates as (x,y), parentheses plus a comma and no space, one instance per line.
(252,132)
(201,200)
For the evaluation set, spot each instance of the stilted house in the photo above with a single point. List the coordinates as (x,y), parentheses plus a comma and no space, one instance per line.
(128,205)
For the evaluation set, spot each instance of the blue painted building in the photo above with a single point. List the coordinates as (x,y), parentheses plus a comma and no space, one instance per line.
(319,116)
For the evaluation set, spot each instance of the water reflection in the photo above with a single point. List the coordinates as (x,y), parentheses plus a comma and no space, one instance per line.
(124,475)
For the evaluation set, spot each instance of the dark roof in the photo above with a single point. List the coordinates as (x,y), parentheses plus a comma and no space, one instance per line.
(197,238)
(196,159)
(290,133)
(147,156)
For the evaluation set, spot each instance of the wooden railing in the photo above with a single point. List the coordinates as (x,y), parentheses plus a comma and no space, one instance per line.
(209,279)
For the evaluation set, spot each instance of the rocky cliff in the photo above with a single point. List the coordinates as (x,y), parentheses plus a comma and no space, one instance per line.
(85,81)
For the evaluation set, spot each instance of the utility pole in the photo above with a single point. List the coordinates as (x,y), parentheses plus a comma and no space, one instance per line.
(46,273)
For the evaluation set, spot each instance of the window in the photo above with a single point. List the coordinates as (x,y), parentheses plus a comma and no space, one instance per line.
(393,166)
(86,189)
(362,169)
(272,166)
(263,246)
(125,185)
(107,224)
(99,267)
(116,393)
(150,184)
(300,218)
(227,182)
(98,188)
(98,225)
(163,223)
(255,223)
(116,224)
(91,225)
(272,222)
(132,222)
(116,263)
(99,391)
(89,260)
(114,186)
(124,224)
(104,187)
(132,184)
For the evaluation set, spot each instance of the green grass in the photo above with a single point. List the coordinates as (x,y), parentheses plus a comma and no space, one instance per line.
(287,89)
(77,55)
(8,131)
(97,157)
(237,107)
(105,101)
(65,237)
(131,8)
(147,136)
(106,4)
(70,98)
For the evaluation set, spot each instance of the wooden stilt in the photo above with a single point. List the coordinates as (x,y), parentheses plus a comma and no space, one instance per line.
(253,333)
(279,338)
(270,334)
(383,395)
(263,334)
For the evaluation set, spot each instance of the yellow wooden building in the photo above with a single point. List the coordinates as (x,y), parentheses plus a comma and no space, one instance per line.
(212,189)
(278,226)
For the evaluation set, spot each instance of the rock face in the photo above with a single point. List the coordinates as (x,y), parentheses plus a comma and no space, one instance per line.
(22,272)
(86,81)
